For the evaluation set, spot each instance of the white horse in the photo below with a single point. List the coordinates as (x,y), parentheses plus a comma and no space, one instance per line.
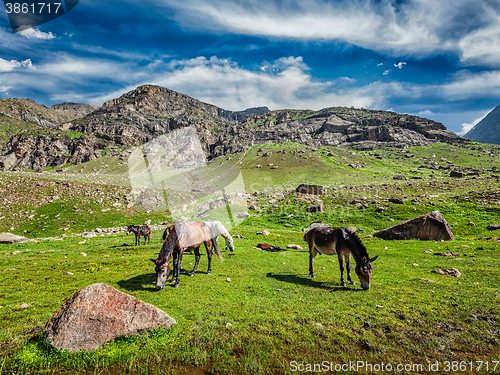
(219,230)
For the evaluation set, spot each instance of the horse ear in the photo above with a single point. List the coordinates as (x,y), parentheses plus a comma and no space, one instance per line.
(372,259)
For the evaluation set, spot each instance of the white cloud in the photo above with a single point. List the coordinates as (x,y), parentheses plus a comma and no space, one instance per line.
(386,72)
(425,114)
(400,64)
(37,34)
(10,65)
(380,64)
(468,28)
(468,126)
(5,88)
(284,83)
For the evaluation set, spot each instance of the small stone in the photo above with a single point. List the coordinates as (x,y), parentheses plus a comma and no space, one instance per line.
(448,272)
(228,280)
(293,246)
(415,264)
(228,325)
(379,306)
(68,273)
(83,254)
(265,232)
(24,306)
(366,325)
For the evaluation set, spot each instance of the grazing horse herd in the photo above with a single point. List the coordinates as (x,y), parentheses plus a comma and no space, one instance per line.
(181,237)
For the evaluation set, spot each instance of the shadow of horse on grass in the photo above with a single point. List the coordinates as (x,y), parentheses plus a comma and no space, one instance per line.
(142,282)
(307,281)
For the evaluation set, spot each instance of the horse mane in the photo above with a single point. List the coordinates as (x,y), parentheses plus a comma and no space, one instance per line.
(358,245)
(169,244)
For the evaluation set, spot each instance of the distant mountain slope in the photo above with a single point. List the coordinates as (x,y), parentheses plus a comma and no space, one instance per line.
(34,137)
(362,129)
(488,129)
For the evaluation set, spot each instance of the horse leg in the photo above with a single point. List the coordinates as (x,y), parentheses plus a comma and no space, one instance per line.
(341,265)
(312,254)
(209,256)
(174,263)
(179,262)
(196,260)
(137,239)
(348,268)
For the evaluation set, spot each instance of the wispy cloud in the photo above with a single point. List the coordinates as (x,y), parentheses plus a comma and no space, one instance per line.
(10,65)
(37,34)
(400,64)
(468,28)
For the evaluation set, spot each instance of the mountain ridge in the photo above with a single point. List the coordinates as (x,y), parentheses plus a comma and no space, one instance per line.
(75,133)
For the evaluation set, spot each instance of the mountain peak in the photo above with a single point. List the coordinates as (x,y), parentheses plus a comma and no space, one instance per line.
(488,129)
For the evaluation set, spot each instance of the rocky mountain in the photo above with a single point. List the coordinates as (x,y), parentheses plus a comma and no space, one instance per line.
(488,129)
(36,137)
(29,111)
(360,129)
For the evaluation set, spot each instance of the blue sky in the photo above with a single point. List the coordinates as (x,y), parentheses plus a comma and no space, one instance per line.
(435,59)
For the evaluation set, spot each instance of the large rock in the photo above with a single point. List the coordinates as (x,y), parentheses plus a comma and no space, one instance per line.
(431,226)
(310,189)
(12,238)
(98,314)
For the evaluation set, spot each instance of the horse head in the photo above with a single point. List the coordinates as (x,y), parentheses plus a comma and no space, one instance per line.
(364,271)
(162,269)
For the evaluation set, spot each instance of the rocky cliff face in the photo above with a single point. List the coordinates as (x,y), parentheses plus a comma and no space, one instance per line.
(29,111)
(75,133)
(358,128)
(488,129)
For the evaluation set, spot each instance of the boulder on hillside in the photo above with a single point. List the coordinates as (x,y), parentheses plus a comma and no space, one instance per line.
(98,314)
(12,238)
(310,189)
(431,226)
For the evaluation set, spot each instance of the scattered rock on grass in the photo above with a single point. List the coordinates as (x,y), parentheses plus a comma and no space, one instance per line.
(265,232)
(448,254)
(9,238)
(493,227)
(293,246)
(448,272)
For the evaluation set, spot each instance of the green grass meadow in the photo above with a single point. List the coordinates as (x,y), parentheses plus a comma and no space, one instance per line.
(260,312)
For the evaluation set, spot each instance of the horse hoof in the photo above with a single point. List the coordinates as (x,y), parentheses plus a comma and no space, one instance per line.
(176,285)
(352,282)
(344,285)
(192,275)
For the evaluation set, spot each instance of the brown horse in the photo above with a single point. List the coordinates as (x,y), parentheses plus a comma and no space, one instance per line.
(340,241)
(139,231)
(183,237)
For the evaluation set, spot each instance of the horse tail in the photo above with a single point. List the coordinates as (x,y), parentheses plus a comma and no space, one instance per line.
(216,248)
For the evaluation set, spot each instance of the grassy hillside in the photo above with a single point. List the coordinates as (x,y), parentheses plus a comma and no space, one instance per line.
(270,316)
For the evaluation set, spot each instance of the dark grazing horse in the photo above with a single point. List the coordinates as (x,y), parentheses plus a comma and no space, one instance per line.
(139,231)
(183,237)
(340,241)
